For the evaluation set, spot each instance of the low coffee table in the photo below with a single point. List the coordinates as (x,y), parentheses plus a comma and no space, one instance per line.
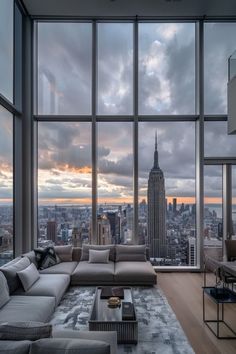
(103,318)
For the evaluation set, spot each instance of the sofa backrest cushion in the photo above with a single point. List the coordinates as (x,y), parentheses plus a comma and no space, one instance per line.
(135,253)
(86,248)
(31,256)
(101,256)
(25,330)
(10,271)
(28,276)
(64,253)
(69,345)
(4,290)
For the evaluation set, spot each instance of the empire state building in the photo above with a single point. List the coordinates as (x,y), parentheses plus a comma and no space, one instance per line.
(156,209)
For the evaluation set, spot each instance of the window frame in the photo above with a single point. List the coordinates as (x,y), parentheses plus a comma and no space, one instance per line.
(135,118)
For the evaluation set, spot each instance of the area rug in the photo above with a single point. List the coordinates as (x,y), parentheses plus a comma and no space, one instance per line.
(159,332)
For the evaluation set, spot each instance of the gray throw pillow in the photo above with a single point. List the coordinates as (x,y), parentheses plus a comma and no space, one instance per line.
(64,253)
(101,256)
(28,276)
(135,253)
(86,248)
(10,272)
(4,292)
(25,330)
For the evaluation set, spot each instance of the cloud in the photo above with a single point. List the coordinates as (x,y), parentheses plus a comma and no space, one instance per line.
(219,45)
(65,70)
(166,86)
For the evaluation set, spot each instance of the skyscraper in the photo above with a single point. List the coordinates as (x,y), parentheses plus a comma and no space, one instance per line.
(52,231)
(156,209)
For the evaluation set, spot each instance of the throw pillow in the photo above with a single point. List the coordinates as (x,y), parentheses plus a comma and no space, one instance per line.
(136,253)
(86,248)
(10,272)
(25,330)
(64,253)
(101,256)
(46,257)
(4,293)
(28,276)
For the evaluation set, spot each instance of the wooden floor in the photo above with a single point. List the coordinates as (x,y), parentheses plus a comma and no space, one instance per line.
(184,294)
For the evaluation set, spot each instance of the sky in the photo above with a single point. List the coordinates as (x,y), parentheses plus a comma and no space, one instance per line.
(166,86)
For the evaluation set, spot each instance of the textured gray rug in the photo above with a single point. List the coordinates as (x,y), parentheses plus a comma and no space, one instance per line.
(159,332)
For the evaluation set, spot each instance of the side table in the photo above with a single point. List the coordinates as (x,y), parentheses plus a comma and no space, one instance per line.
(220,296)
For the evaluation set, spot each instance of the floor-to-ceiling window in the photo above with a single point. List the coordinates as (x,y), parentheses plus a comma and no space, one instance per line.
(103,91)
(234,200)
(117,105)
(10,106)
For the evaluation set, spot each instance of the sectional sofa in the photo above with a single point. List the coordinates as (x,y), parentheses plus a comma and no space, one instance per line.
(36,302)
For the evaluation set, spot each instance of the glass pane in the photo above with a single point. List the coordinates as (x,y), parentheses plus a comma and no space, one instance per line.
(166,68)
(217,132)
(64,183)
(234,200)
(219,45)
(64,68)
(213,222)
(167,220)
(115,183)
(6,186)
(115,68)
(6,49)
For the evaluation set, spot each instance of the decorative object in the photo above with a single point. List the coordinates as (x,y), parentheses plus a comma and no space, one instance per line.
(113,302)
(158,329)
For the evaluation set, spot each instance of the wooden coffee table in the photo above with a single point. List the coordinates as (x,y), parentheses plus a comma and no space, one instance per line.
(103,318)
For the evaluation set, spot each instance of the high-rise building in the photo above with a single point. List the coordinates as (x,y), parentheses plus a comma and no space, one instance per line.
(76,237)
(191,251)
(114,219)
(52,231)
(103,230)
(174,205)
(156,209)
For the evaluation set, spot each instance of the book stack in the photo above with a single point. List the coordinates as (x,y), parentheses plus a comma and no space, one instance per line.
(108,291)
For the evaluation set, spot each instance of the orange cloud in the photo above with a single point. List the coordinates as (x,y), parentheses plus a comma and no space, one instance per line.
(74,169)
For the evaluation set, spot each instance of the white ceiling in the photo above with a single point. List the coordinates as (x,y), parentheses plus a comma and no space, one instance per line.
(97,8)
